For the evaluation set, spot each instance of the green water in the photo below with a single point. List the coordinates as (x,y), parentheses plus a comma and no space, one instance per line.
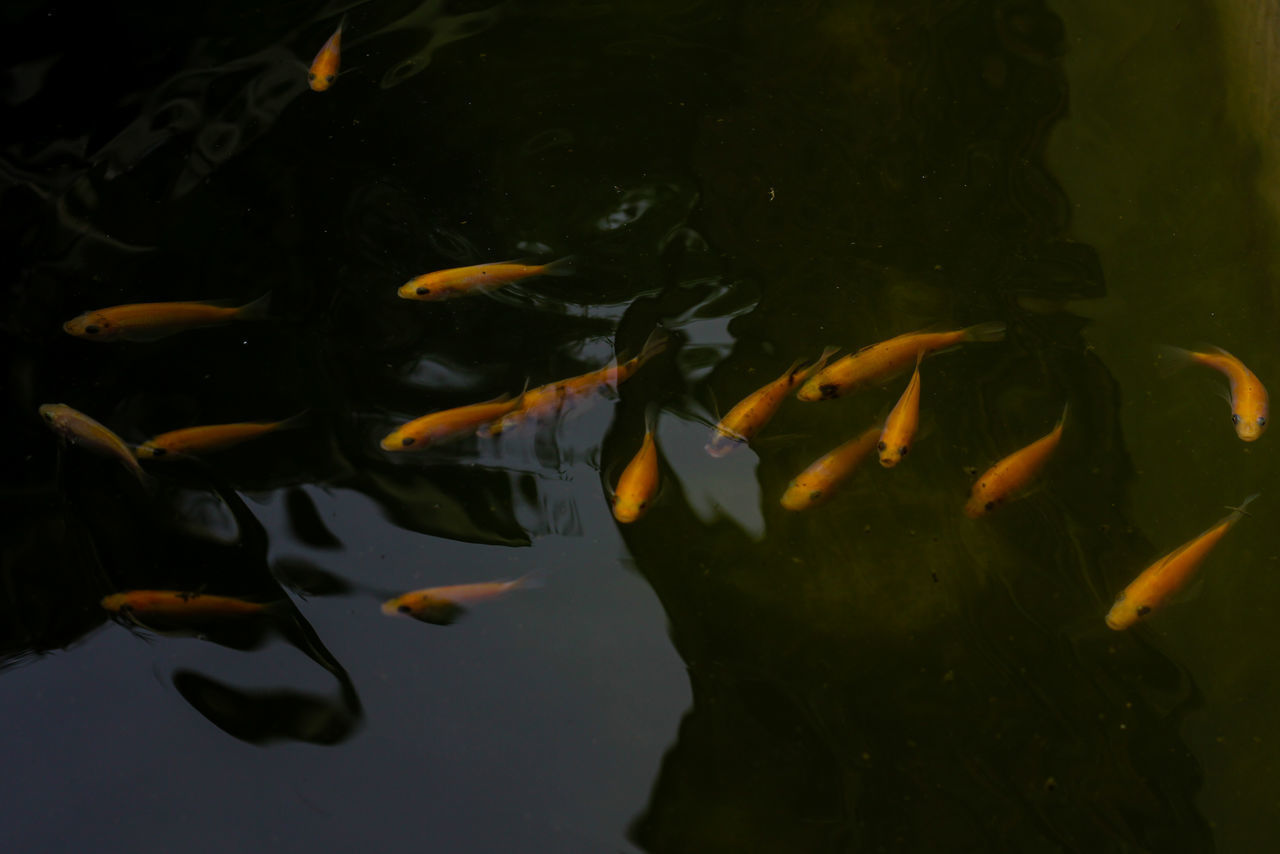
(762,180)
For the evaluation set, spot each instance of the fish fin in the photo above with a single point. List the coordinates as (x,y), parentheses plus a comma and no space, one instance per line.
(657,341)
(1242,509)
(566,266)
(991,331)
(256,310)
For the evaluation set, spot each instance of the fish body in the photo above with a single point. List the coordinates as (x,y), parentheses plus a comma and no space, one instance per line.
(462,281)
(1169,574)
(749,416)
(879,362)
(209,438)
(324,68)
(437,427)
(816,484)
(147,321)
(179,604)
(82,430)
(443,605)
(900,426)
(1249,402)
(1011,475)
(639,480)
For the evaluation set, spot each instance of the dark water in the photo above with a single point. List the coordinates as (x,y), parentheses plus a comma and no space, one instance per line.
(878,674)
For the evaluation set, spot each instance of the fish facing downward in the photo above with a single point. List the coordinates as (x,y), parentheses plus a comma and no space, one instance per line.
(639,480)
(879,362)
(80,429)
(211,437)
(324,68)
(1011,475)
(1170,573)
(147,321)
(900,426)
(443,605)
(816,484)
(749,416)
(461,281)
(1249,404)
(421,433)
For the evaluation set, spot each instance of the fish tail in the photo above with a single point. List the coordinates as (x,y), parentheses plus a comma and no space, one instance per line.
(1062,419)
(296,422)
(566,266)
(991,331)
(256,310)
(653,345)
(1242,510)
(651,412)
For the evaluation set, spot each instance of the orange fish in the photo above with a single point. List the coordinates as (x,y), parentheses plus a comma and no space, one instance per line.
(461,281)
(147,321)
(900,426)
(546,400)
(639,480)
(179,604)
(1169,574)
(422,433)
(816,484)
(324,68)
(212,437)
(753,412)
(82,430)
(1009,476)
(443,605)
(1248,396)
(879,362)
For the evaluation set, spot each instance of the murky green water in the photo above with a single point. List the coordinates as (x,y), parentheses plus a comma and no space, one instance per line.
(877,674)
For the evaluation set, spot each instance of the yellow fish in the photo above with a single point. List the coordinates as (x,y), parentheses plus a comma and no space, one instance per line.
(754,411)
(147,321)
(212,437)
(878,362)
(1169,574)
(82,430)
(900,426)
(1249,403)
(324,68)
(461,281)
(816,484)
(639,481)
(1010,475)
(179,604)
(422,433)
(443,605)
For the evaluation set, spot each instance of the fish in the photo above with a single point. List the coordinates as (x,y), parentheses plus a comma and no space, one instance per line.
(148,321)
(1170,573)
(437,427)
(443,605)
(324,68)
(749,416)
(1249,403)
(1009,476)
(211,437)
(879,362)
(900,426)
(818,482)
(462,281)
(179,604)
(639,480)
(80,429)
(546,400)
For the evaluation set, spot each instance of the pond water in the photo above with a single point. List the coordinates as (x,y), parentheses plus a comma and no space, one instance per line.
(760,180)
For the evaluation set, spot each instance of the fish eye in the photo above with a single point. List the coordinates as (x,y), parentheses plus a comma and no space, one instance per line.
(311,75)
(815,495)
(1262,421)
(159,452)
(644,504)
(329,78)
(990,505)
(407,441)
(1235,418)
(902,452)
(880,446)
(92,329)
(422,292)
(404,609)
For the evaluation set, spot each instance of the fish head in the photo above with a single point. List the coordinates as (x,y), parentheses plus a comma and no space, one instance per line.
(801,495)
(149,450)
(629,508)
(92,326)
(320,80)
(399,440)
(980,503)
(423,290)
(57,415)
(891,456)
(1250,422)
(1126,611)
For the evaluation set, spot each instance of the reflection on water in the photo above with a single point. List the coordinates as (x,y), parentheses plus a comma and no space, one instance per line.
(879,672)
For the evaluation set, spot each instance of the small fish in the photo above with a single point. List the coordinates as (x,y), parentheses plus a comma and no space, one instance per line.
(461,281)
(211,437)
(443,605)
(749,416)
(817,483)
(179,604)
(1249,403)
(82,430)
(639,481)
(422,433)
(900,426)
(147,321)
(879,362)
(547,400)
(1170,573)
(1009,476)
(324,68)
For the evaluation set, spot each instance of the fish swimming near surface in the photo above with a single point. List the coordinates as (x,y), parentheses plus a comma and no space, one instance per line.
(547,400)
(818,482)
(210,438)
(900,426)
(1170,573)
(443,605)
(639,480)
(324,68)
(462,281)
(1249,403)
(148,321)
(1009,477)
(422,433)
(749,416)
(177,604)
(79,429)
(879,362)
